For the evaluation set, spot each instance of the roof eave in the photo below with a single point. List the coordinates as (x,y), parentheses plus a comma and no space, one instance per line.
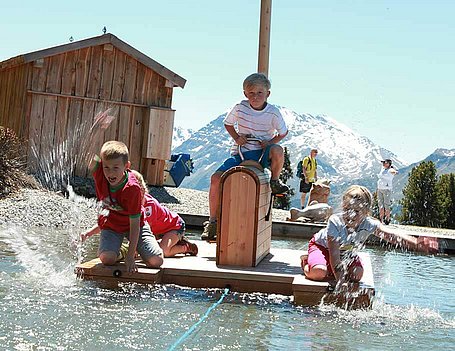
(174,78)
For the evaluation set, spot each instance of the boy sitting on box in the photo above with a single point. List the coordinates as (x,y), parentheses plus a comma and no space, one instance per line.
(257,127)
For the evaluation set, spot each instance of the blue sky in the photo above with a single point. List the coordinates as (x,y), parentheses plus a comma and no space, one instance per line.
(384,68)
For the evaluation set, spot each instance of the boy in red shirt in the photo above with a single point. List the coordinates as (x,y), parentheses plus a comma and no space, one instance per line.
(120,194)
(164,223)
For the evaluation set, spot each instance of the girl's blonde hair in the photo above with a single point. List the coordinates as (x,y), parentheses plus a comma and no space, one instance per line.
(141,181)
(358,196)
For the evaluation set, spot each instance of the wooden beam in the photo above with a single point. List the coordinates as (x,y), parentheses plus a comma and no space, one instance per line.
(264,37)
(131,104)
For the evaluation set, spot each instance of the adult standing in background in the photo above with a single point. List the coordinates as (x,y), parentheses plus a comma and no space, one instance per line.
(307,171)
(384,193)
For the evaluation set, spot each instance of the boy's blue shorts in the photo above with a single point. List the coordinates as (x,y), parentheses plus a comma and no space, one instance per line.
(235,160)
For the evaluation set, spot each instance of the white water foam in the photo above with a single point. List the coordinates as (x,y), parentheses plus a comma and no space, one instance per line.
(41,263)
(393,317)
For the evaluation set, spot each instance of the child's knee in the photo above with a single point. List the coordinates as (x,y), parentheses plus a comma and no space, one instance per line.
(166,250)
(316,273)
(276,151)
(108,258)
(167,253)
(154,261)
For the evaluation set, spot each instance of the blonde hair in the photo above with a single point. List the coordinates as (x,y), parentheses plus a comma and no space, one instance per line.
(141,181)
(256,79)
(358,196)
(114,149)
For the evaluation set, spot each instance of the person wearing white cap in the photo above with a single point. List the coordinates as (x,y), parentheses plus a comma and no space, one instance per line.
(384,193)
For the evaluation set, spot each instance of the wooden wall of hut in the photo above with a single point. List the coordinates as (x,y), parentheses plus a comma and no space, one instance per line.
(13,89)
(52,102)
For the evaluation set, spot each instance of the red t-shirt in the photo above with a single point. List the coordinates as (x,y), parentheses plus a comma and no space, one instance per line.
(120,203)
(160,218)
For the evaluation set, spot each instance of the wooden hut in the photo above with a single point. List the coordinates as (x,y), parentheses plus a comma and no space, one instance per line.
(50,97)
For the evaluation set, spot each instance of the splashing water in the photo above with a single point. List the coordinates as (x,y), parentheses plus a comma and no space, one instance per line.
(40,263)
(55,165)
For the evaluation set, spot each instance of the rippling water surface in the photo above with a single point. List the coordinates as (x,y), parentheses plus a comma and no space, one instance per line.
(45,307)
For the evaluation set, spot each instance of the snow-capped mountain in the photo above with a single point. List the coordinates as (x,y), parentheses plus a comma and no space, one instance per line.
(345,157)
(180,135)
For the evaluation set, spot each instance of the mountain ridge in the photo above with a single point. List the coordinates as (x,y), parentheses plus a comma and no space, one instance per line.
(345,157)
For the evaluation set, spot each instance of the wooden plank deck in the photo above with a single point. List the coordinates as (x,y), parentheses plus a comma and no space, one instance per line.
(278,273)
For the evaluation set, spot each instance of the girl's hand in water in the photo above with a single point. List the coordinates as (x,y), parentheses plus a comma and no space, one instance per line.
(87,234)
(83,237)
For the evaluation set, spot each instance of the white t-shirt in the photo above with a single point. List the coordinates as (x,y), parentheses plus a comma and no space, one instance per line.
(336,229)
(261,125)
(385,179)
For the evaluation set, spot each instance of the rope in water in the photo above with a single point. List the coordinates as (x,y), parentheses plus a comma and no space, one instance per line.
(194,326)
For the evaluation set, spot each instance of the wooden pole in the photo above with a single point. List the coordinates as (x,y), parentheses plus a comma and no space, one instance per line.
(264,36)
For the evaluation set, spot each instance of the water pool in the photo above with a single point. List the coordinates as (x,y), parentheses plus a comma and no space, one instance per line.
(45,307)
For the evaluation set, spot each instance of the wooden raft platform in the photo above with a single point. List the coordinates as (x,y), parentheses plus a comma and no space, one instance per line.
(278,273)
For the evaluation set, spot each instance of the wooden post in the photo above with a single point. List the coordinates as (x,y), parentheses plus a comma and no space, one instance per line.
(264,37)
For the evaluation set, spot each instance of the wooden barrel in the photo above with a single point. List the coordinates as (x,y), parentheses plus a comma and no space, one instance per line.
(244,227)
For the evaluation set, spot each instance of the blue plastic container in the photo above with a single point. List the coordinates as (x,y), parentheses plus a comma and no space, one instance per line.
(182,166)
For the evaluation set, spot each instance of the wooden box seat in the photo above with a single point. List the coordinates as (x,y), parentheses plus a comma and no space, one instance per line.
(244,229)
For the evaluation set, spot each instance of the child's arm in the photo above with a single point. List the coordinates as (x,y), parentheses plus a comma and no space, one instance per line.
(421,243)
(133,238)
(94,230)
(275,140)
(94,162)
(101,123)
(239,139)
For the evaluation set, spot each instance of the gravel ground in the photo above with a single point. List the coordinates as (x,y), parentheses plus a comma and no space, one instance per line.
(42,208)
(31,207)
